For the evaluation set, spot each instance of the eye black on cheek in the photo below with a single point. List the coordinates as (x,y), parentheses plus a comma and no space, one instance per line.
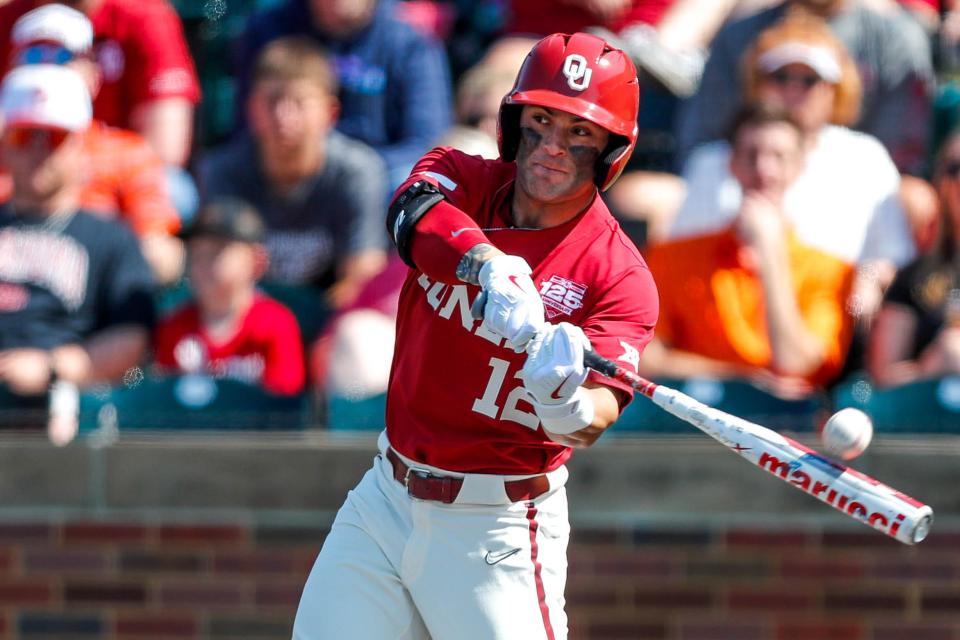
(530,137)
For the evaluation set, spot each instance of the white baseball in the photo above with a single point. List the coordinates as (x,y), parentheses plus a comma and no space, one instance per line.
(847,433)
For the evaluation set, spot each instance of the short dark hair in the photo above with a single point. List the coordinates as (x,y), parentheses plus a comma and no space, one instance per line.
(754,114)
(296,58)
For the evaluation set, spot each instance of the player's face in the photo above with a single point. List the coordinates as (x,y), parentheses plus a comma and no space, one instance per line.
(767,158)
(219,268)
(558,154)
(41,162)
(800,90)
(290,115)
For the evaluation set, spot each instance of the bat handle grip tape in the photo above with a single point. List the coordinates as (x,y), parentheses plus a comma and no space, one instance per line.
(599,364)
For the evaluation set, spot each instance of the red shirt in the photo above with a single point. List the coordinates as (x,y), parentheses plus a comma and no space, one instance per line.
(543,17)
(455,400)
(265,351)
(141,50)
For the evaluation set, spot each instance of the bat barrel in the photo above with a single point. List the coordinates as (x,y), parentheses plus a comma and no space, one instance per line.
(847,490)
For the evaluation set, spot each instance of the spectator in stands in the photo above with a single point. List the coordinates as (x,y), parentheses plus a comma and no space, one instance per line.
(479,94)
(917,332)
(320,193)
(394,83)
(752,300)
(230,330)
(672,49)
(846,200)
(889,47)
(76,296)
(148,81)
(124,175)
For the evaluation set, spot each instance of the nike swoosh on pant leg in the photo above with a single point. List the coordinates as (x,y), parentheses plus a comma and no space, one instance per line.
(493,558)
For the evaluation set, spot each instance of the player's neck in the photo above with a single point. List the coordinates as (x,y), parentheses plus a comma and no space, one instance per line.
(530,213)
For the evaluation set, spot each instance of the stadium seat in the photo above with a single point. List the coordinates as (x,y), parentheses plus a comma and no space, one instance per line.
(191,402)
(363,414)
(926,406)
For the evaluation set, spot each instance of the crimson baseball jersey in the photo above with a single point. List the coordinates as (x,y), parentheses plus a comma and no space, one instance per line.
(265,350)
(455,398)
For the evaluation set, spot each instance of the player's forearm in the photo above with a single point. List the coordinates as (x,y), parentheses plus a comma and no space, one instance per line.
(441,239)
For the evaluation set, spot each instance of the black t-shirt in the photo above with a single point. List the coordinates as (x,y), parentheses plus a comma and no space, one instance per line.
(65,279)
(924,286)
(331,215)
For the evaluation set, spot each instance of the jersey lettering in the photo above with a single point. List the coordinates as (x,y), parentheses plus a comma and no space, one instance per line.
(57,263)
(445,299)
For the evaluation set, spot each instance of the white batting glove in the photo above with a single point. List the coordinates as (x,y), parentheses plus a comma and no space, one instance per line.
(552,376)
(513,309)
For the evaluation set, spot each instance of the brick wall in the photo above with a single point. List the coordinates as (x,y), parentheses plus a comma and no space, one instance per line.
(140,580)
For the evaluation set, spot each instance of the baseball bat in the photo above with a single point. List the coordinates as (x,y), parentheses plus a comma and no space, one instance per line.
(843,488)
(853,493)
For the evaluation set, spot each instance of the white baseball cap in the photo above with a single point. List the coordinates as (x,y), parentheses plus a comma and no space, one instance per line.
(54,23)
(45,95)
(822,60)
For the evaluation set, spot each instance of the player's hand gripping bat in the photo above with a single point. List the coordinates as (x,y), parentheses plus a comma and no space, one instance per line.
(847,490)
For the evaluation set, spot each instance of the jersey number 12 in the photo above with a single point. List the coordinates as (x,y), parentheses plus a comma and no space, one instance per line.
(487,404)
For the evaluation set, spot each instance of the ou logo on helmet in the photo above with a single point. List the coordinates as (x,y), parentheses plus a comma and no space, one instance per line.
(577,72)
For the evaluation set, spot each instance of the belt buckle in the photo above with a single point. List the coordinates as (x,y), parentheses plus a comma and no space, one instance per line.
(423,474)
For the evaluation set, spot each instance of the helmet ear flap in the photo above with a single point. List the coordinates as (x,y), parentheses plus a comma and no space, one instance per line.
(616,147)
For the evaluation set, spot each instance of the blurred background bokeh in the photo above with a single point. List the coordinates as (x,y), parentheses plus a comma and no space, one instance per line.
(198,298)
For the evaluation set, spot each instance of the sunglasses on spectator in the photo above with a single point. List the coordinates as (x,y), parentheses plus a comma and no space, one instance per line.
(44,54)
(806,80)
(23,137)
(952,168)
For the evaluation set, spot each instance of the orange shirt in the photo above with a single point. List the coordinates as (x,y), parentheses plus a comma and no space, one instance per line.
(712,303)
(125,179)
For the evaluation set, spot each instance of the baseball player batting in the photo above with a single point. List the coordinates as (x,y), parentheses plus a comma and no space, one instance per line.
(460,529)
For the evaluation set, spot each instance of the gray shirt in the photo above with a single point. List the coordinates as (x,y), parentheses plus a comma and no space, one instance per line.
(892,54)
(332,214)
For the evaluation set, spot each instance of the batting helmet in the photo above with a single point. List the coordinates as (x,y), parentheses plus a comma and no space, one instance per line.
(583,75)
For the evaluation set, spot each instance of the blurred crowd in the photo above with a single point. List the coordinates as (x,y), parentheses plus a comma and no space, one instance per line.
(192,194)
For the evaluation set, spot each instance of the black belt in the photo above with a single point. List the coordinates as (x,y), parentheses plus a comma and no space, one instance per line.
(424,485)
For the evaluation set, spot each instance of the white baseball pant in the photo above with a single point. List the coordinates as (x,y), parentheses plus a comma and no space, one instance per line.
(482,568)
